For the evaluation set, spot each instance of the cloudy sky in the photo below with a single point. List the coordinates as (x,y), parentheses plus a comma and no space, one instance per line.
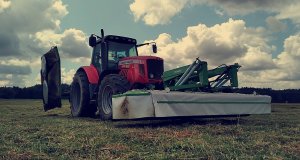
(261,35)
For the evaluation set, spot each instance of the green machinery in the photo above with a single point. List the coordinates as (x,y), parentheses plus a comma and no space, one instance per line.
(196,77)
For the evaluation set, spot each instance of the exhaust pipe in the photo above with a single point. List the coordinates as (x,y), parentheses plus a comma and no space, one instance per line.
(102,33)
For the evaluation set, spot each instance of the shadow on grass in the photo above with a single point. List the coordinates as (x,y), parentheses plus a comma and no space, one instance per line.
(94,118)
(56,116)
(155,123)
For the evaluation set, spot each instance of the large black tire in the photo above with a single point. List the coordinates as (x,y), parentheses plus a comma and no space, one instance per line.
(111,84)
(80,97)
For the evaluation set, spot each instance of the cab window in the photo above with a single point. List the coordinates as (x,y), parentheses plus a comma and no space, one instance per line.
(117,51)
(96,58)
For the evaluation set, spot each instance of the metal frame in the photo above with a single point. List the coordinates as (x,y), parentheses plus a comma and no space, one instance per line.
(196,77)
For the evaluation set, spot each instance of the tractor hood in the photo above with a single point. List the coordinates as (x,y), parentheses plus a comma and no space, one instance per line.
(142,69)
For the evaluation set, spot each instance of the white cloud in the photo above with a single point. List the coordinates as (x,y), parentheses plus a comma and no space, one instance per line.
(290,11)
(31,27)
(67,76)
(222,43)
(4,82)
(285,72)
(233,7)
(275,25)
(219,12)
(72,43)
(23,39)
(33,15)
(288,60)
(232,42)
(287,9)
(4,4)
(17,62)
(25,18)
(292,45)
(256,60)
(155,12)
(46,38)
(12,79)
(18,72)
(15,69)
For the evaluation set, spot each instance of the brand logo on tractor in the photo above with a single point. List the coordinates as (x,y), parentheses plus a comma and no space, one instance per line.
(134,61)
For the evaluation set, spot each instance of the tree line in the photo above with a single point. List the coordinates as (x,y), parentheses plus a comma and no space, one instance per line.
(36,92)
(278,96)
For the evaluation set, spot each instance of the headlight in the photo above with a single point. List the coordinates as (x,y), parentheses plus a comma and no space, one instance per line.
(151,75)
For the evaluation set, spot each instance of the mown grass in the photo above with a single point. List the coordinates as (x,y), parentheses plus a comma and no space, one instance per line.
(27,132)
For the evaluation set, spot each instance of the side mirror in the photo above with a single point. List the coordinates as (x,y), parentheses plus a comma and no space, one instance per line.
(154,48)
(92,40)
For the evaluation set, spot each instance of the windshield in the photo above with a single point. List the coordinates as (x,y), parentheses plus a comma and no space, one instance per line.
(116,51)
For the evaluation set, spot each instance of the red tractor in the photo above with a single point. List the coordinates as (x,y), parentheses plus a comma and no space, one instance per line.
(115,68)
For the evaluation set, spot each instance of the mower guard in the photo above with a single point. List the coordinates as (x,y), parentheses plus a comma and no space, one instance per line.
(51,79)
(145,104)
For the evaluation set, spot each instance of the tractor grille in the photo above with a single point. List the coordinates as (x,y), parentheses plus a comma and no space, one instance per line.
(155,68)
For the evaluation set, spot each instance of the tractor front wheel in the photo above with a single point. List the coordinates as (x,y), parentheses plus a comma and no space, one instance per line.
(80,98)
(111,84)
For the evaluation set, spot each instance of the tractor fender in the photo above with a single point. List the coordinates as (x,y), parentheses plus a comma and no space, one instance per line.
(91,73)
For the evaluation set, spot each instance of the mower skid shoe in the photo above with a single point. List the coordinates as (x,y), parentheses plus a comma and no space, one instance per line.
(51,79)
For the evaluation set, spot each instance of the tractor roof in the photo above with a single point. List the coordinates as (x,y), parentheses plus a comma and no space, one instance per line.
(119,39)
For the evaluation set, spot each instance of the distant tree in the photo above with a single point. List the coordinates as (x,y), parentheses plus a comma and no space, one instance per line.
(8,93)
(278,96)
(36,92)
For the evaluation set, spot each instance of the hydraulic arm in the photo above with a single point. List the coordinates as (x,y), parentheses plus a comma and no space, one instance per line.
(196,77)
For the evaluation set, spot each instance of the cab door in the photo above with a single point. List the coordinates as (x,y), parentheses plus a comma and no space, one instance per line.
(51,79)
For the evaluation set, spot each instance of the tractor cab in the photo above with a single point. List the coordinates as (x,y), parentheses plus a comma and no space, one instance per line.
(118,55)
(109,50)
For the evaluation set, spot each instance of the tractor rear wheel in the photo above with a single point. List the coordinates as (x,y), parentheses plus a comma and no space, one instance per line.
(111,84)
(80,96)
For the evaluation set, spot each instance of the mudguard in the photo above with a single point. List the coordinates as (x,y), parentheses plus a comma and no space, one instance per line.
(91,73)
(51,79)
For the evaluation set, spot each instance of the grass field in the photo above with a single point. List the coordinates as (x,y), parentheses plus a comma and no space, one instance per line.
(27,132)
